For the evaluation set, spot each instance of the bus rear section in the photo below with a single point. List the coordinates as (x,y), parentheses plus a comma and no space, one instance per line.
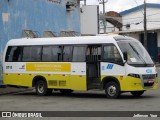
(115,64)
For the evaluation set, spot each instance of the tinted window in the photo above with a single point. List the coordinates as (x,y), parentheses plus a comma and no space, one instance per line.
(57,53)
(111,54)
(31,53)
(79,54)
(13,54)
(52,53)
(47,54)
(67,53)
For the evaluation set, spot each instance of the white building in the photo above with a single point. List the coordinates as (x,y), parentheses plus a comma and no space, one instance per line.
(133,25)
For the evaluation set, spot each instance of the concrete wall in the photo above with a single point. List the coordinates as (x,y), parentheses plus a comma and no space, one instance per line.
(38,16)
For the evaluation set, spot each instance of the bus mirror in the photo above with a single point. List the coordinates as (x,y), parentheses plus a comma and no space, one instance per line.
(125,56)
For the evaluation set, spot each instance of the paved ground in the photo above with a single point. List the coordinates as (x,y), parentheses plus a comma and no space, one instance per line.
(11,90)
(79,101)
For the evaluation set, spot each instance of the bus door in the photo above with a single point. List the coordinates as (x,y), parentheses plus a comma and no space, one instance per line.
(93,57)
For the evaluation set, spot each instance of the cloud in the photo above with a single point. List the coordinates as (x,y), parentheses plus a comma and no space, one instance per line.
(120,5)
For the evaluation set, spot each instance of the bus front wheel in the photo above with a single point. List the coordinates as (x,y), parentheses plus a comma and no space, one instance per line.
(112,90)
(41,88)
(137,93)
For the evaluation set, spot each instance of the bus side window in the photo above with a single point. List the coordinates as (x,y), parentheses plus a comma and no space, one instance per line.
(111,54)
(79,54)
(67,53)
(52,53)
(31,53)
(47,55)
(14,54)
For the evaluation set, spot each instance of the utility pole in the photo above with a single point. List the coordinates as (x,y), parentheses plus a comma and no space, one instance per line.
(145,26)
(84,2)
(104,21)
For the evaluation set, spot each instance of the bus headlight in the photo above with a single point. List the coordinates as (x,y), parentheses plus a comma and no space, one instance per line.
(134,75)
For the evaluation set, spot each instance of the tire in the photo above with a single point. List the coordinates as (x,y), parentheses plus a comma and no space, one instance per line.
(112,90)
(66,91)
(41,88)
(137,93)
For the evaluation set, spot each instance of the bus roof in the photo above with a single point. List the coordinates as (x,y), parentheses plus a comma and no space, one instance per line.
(65,40)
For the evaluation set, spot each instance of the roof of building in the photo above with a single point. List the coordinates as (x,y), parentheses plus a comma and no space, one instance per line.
(148,5)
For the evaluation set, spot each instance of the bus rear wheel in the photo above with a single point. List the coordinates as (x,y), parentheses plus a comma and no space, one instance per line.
(112,90)
(41,88)
(137,93)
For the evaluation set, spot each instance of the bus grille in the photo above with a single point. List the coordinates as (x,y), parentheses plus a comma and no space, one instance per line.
(152,76)
(148,77)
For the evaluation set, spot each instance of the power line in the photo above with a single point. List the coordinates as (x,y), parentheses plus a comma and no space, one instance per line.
(153,14)
(138,6)
(153,21)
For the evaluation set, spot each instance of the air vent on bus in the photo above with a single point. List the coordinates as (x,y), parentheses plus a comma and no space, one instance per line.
(52,82)
(62,83)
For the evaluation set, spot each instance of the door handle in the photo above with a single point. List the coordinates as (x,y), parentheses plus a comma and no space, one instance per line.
(83,71)
(73,71)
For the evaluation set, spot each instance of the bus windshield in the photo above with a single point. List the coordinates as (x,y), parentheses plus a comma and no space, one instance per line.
(137,55)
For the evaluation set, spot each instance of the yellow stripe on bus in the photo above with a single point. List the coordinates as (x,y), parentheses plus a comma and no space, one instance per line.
(48,67)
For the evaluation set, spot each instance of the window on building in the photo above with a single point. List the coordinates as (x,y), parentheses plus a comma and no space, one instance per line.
(29,33)
(48,34)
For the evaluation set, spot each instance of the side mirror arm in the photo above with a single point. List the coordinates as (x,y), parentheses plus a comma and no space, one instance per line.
(125,56)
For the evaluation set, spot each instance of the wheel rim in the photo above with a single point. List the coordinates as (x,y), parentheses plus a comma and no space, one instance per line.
(40,88)
(111,90)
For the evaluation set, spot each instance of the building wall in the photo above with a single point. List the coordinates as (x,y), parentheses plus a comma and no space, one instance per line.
(134,35)
(38,16)
(153,16)
(135,20)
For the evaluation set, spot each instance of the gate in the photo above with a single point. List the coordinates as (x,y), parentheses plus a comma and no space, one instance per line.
(152,44)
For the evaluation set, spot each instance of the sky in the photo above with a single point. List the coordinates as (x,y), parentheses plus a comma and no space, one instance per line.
(120,5)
